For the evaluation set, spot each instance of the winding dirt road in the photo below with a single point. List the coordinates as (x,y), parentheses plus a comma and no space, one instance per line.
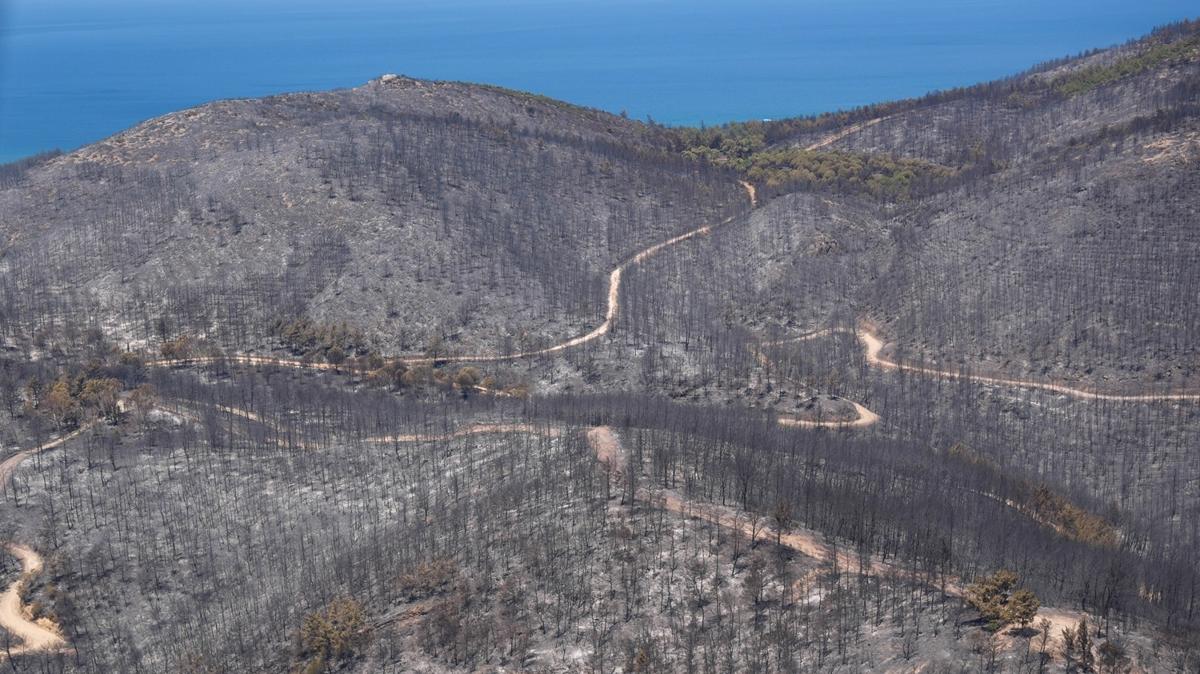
(602,440)
(873,346)
(34,636)
(11,463)
(865,416)
(610,317)
(609,451)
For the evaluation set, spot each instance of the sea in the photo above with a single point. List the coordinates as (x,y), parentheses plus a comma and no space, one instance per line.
(75,71)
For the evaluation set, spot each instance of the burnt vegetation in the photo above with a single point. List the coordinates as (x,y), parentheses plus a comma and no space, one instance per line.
(649,499)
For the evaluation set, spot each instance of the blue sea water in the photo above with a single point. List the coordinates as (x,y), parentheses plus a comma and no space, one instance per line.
(75,71)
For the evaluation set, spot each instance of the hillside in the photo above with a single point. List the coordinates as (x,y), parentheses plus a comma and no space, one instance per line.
(413,212)
(1041,225)
(440,377)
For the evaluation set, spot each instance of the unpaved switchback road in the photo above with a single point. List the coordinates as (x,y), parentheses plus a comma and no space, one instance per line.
(34,636)
(865,416)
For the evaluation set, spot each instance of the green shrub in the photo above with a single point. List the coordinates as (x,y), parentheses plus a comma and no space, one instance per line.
(1087,79)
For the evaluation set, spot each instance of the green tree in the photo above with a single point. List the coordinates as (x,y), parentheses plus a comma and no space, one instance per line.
(334,632)
(467,378)
(1000,603)
(1022,607)
(335,355)
(102,395)
(59,404)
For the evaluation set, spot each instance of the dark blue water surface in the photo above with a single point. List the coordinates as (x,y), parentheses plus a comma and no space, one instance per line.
(75,71)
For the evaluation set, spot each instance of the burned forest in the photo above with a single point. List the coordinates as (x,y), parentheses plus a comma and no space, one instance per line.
(425,376)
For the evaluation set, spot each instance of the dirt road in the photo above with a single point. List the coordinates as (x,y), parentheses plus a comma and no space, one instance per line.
(476,429)
(609,451)
(865,416)
(872,344)
(751,191)
(11,463)
(610,316)
(34,636)
(836,136)
(873,347)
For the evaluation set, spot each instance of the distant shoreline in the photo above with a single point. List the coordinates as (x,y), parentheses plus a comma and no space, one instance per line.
(665,61)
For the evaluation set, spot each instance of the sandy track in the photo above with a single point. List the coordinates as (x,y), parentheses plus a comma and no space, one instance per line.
(34,636)
(476,429)
(865,416)
(751,191)
(609,451)
(11,463)
(814,545)
(610,316)
(607,447)
(836,136)
(873,346)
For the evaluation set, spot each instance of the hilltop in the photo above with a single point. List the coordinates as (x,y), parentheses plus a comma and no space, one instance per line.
(412,213)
